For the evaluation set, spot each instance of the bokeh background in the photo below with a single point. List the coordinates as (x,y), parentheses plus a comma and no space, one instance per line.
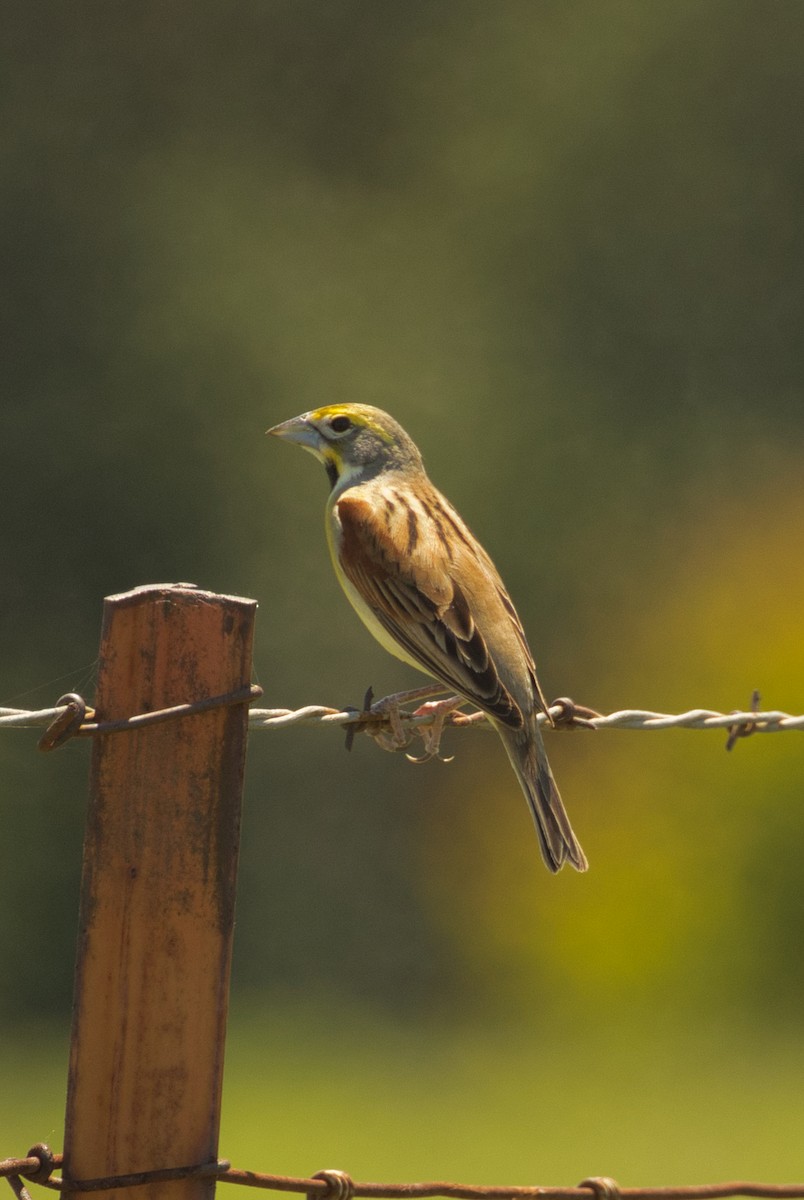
(562,242)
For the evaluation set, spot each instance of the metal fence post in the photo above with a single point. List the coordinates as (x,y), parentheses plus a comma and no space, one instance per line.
(158,892)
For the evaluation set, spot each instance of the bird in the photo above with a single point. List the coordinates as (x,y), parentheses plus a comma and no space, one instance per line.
(429,593)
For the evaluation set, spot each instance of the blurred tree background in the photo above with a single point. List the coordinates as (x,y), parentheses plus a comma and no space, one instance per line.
(563,244)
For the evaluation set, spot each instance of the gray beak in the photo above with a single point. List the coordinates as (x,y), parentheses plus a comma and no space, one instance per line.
(299,430)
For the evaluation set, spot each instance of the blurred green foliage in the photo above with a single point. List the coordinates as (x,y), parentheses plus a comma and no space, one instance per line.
(477,1103)
(562,243)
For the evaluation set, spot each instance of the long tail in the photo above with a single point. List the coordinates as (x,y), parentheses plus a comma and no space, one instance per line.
(528,756)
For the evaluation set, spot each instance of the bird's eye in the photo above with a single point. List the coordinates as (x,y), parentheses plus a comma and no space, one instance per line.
(340,424)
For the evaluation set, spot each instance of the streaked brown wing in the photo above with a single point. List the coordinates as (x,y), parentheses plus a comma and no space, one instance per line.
(415,598)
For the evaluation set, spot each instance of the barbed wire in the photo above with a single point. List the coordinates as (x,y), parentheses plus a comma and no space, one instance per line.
(383,719)
(38,1166)
(561,713)
(391,721)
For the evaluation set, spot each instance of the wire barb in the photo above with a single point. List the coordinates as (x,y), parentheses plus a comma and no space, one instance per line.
(738,731)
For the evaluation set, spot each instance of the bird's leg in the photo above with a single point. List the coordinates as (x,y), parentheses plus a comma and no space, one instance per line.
(400,698)
(439,710)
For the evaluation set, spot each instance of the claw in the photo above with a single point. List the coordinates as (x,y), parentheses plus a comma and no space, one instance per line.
(431,734)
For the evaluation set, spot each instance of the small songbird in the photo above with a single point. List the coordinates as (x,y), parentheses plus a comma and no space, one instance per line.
(425,587)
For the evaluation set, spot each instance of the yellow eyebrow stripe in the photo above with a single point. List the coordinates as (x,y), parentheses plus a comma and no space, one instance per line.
(354,414)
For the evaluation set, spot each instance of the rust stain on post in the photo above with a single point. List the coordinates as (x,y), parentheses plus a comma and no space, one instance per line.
(158,892)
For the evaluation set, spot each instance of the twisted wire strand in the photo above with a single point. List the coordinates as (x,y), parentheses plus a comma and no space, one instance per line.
(38,1166)
(771,721)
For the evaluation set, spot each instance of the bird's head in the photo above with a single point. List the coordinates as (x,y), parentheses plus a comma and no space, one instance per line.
(355,442)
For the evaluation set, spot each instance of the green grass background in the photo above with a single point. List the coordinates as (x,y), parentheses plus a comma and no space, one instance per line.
(333,1087)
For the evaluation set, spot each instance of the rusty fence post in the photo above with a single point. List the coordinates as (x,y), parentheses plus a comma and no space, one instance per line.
(158,892)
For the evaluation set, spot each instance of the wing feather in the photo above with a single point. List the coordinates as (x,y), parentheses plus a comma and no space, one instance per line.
(409,584)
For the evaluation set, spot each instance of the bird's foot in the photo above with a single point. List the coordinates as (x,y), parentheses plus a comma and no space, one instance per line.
(439,710)
(391,735)
(384,720)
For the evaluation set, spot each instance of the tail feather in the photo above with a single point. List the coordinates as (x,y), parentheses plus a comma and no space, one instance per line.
(528,757)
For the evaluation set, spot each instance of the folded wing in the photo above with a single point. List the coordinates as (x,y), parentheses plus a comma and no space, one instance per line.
(400,562)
